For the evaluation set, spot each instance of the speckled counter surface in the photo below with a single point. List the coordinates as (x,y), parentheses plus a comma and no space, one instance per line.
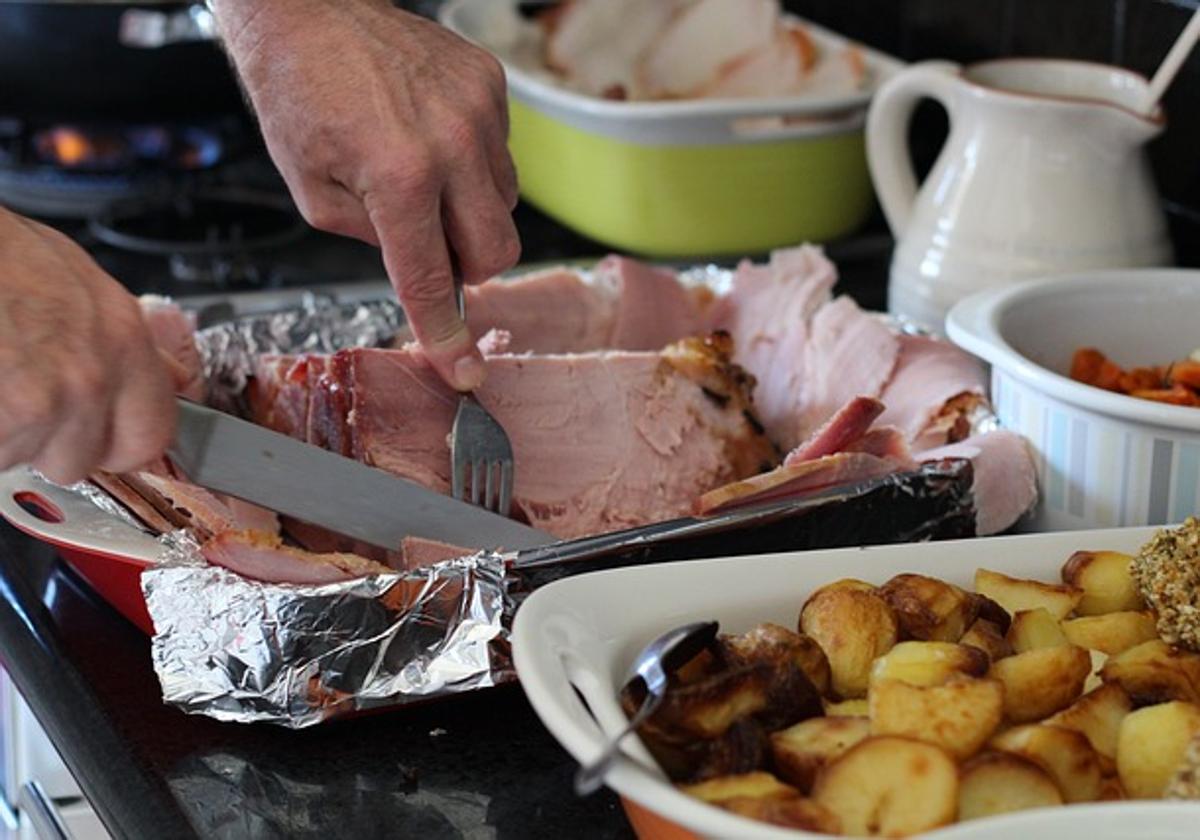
(478,766)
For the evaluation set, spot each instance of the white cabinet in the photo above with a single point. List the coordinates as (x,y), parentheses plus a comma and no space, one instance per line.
(26,755)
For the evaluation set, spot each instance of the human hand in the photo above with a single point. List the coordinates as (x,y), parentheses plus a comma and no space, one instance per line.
(84,385)
(391,129)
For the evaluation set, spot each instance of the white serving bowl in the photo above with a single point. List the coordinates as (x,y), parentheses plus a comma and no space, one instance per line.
(1103,459)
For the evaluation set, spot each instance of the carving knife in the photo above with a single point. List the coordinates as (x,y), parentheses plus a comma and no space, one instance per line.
(239,458)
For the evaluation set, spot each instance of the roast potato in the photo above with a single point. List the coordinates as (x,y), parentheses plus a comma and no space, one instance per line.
(853,626)
(928,663)
(998,783)
(1033,629)
(958,716)
(890,787)
(1151,745)
(847,708)
(771,643)
(987,636)
(1066,755)
(1098,715)
(801,751)
(756,785)
(930,609)
(1040,682)
(1015,594)
(1113,632)
(1105,580)
(1155,672)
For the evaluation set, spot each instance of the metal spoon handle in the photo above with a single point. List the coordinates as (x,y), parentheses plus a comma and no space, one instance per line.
(589,777)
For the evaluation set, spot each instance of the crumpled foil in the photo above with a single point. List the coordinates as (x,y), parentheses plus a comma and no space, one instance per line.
(246,651)
(318,325)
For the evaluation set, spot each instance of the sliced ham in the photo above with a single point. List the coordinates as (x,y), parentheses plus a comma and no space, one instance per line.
(849,353)
(884,442)
(846,426)
(207,512)
(767,312)
(797,480)
(653,308)
(552,311)
(601,441)
(598,44)
(277,394)
(419,552)
(701,41)
(929,374)
(262,556)
(1005,483)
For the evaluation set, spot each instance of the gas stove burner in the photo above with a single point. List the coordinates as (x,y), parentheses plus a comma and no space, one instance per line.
(121,148)
(210,237)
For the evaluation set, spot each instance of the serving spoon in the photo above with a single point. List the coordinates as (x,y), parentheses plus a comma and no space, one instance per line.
(653,665)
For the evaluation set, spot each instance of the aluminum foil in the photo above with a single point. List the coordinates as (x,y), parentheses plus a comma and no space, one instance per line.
(245,651)
(318,325)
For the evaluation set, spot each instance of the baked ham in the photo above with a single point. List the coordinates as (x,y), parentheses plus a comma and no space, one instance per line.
(601,441)
(264,557)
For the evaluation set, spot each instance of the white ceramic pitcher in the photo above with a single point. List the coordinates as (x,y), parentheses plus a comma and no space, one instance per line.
(1044,170)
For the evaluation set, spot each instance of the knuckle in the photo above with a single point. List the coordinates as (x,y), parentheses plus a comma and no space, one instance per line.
(424,289)
(416,172)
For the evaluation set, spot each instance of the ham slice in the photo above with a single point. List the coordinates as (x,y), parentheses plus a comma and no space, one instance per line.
(929,374)
(601,441)
(262,556)
(1005,483)
(767,312)
(208,512)
(701,41)
(277,394)
(583,313)
(598,44)
(849,353)
(653,308)
(846,426)
(797,480)
(419,551)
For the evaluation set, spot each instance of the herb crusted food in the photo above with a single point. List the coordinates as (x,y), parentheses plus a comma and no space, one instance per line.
(1167,571)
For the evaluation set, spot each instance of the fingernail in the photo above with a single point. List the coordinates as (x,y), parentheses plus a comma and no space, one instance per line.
(469,373)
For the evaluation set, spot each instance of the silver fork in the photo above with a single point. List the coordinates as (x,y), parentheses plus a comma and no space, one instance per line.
(481,456)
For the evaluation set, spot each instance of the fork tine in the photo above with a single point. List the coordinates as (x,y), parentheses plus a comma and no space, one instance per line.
(456,479)
(489,494)
(476,481)
(506,486)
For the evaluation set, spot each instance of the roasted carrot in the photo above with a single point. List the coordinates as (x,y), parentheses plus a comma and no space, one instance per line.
(1186,372)
(1092,367)
(1178,395)
(1143,379)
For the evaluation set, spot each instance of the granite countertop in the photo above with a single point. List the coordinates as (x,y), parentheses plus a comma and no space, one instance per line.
(476,766)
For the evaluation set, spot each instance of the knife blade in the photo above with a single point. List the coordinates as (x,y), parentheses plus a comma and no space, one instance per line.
(223,453)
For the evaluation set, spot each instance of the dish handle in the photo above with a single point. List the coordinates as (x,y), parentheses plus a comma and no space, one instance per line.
(586,711)
(67,519)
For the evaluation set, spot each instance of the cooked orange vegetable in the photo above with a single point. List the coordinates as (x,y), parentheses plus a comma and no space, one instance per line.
(1176,384)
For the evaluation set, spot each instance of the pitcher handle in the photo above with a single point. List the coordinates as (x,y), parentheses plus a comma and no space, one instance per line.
(887,133)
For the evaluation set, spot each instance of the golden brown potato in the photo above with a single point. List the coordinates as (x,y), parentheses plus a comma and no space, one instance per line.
(852,584)
(801,751)
(1155,672)
(707,708)
(1152,743)
(1111,633)
(986,636)
(1040,682)
(1105,580)
(958,716)
(890,787)
(929,663)
(1065,754)
(847,708)
(930,609)
(1111,789)
(998,783)
(852,626)
(1098,715)
(702,665)
(756,785)
(804,814)
(1093,681)
(773,643)
(1015,594)
(1033,629)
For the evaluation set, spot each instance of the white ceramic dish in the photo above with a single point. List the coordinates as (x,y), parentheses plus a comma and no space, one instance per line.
(581,634)
(1103,459)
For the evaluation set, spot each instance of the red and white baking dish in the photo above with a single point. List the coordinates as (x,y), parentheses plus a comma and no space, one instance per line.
(107,552)
(574,639)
